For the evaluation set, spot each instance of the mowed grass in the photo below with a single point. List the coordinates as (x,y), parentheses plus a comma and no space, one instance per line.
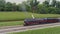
(13,23)
(55,30)
(23,15)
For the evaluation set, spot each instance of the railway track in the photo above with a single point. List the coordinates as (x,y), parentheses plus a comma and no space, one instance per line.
(26,28)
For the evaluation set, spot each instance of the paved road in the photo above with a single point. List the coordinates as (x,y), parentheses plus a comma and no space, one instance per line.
(25,28)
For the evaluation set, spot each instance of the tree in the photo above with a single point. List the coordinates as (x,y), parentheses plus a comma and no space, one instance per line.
(58,4)
(8,6)
(46,3)
(34,5)
(14,7)
(42,9)
(53,4)
(2,5)
(19,7)
(23,6)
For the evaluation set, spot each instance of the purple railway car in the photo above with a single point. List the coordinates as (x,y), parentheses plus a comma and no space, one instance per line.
(40,21)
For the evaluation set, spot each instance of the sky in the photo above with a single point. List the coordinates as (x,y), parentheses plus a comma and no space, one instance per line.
(19,1)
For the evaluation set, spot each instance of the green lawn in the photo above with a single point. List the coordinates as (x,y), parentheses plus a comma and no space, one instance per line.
(13,23)
(23,15)
(55,30)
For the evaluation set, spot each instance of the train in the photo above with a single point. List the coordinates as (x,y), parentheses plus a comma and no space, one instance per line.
(37,21)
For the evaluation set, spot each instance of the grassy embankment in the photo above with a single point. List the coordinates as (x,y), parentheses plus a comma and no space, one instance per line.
(18,17)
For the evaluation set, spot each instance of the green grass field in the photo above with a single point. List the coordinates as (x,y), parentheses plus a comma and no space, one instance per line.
(23,15)
(13,23)
(20,16)
(55,30)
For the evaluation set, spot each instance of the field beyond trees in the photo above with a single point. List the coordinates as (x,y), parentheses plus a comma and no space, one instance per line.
(55,30)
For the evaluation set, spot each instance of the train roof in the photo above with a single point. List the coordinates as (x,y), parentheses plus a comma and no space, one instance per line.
(31,19)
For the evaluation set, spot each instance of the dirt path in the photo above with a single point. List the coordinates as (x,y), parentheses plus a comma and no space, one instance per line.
(25,28)
(6,27)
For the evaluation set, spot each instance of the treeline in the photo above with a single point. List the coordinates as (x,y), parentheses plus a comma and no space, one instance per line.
(46,7)
(8,6)
(50,7)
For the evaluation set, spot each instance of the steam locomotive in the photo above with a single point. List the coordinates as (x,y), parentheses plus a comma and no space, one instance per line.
(40,21)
